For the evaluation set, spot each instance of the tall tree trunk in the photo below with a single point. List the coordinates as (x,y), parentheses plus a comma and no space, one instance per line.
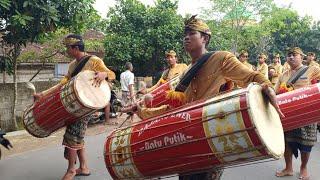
(16,53)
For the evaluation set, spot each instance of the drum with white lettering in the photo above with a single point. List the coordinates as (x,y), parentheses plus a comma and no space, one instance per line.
(300,107)
(65,105)
(224,130)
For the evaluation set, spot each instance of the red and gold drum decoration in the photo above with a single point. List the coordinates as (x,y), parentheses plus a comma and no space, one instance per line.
(300,107)
(66,105)
(160,93)
(228,129)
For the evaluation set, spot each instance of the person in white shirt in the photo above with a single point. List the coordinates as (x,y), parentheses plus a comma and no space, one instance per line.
(127,83)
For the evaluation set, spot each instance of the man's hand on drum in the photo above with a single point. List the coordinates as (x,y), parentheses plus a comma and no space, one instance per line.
(271,94)
(98,78)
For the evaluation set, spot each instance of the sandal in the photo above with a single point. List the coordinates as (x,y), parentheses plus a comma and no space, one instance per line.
(304,178)
(79,173)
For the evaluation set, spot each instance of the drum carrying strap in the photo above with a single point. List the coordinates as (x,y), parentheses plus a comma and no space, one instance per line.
(186,79)
(81,64)
(293,79)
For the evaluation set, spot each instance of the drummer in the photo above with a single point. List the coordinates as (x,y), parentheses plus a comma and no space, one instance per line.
(175,69)
(304,138)
(217,69)
(73,139)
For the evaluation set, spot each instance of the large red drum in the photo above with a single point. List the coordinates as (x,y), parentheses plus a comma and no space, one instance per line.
(65,105)
(159,94)
(300,107)
(228,129)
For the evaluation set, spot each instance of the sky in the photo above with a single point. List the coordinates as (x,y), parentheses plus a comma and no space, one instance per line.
(303,7)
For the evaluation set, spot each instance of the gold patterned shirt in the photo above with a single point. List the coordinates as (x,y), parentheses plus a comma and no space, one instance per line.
(263,69)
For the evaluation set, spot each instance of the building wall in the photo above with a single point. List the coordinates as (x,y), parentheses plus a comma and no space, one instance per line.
(26,71)
(24,100)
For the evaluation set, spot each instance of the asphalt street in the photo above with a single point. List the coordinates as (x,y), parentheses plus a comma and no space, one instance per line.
(48,163)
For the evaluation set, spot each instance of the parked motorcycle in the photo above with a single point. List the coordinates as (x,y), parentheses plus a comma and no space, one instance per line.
(4,141)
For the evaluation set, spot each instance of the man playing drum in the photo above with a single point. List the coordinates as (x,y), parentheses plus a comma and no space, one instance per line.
(73,139)
(175,69)
(217,69)
(207,79)
(298,76)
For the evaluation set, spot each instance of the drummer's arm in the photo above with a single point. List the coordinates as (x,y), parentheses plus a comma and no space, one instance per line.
(153,87)
(99,66)
(62,82)
(236,71)
(145,113)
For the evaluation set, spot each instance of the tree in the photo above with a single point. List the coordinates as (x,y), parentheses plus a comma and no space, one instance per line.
(310,41)
(141,34)
(233,16)
(287,29)
(24,21)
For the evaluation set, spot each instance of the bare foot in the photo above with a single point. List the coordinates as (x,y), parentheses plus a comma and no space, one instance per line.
(69,175)
(284,172)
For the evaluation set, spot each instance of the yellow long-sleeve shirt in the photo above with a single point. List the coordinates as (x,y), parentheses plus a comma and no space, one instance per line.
(263,69)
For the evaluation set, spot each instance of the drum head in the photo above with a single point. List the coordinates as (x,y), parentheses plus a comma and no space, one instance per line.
(88,95)
(266,120)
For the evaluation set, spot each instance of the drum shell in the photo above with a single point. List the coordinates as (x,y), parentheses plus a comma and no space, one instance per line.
(159,94)
(300,107)
(62,106)
(182,141)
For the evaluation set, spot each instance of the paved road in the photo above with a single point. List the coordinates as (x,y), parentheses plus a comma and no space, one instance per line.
(48,164)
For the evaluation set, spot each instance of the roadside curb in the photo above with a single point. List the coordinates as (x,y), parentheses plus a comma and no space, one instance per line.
(16,133)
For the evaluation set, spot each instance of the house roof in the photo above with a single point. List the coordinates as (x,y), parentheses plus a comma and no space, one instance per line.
(32,49)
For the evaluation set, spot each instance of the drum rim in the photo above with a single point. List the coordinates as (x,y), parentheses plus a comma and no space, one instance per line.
(80,100)
(255,120)
(30,110)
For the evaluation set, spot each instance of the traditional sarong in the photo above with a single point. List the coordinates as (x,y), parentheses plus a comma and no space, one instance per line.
(74,135)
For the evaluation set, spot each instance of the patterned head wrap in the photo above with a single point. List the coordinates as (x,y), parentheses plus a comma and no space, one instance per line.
(244,53)
(196,25)
(263,56)
(72,40)
(171,53)
(311,54)
(295,50)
